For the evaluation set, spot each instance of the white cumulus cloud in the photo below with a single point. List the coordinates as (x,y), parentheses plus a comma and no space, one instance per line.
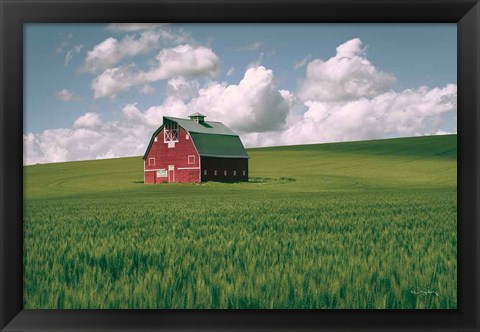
(88,139)
(411,112)
(111,51)
(183,60)
(182,88)
(346,76)
(253,105)
(88,120)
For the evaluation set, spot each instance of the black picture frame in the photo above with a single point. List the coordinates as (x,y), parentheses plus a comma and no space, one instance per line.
(15,13)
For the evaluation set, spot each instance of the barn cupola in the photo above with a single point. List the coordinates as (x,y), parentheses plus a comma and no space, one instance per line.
(197,117)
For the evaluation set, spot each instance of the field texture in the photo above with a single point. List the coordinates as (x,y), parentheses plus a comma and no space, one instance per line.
(347,225)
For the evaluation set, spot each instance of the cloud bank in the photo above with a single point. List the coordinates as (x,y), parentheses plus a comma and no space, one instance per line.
(343,98)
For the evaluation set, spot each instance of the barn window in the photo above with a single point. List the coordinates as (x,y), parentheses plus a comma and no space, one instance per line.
(155,139)
(204,172)
(215,172)
(187,136)
(170,134)
(191,159)
(225,173)
(234,173)
(151,161)
(244,173)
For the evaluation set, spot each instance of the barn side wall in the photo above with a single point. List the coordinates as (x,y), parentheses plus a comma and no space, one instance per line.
(234,167)
(157,170)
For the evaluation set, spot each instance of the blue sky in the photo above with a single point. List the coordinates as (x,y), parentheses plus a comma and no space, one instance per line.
(97,84)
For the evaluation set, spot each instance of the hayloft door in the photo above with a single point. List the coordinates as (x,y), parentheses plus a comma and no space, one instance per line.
(171,173)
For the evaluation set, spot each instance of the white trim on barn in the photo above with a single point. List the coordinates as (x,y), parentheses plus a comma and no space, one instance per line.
(171,168)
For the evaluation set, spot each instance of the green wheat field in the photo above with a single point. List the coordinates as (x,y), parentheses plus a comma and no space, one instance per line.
(361,225)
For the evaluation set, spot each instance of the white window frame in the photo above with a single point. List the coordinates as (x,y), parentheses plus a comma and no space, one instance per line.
(205,172)
(150,161)
(244,172)
(234,173)
(215,172)
(191,156)
(171,132)
(225,173)
(155,139)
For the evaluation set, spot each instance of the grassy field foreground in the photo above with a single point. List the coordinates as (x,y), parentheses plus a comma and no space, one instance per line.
(347,225)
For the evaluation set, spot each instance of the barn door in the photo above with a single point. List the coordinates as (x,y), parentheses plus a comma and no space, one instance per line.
(171,173)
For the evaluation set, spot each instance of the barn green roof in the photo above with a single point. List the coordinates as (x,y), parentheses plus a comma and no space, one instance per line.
(206,127)
(211,138)
(211,145)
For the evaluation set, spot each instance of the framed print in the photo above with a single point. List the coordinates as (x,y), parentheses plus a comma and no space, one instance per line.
(274,165)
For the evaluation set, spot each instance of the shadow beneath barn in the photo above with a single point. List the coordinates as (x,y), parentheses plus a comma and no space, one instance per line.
(270,180)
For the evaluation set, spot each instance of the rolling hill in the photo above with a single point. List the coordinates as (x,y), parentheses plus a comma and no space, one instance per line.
(368,224)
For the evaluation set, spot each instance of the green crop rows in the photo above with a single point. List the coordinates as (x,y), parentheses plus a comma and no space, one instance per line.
(347,225)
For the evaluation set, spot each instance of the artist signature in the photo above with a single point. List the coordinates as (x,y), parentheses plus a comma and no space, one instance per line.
(425,293)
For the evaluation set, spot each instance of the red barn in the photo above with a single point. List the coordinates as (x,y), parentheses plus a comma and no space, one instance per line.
(194,150)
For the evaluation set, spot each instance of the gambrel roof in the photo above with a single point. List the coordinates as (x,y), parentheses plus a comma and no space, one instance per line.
(211,138)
